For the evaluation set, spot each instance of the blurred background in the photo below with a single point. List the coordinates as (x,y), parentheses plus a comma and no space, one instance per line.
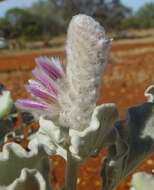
(24,23)
(30,28)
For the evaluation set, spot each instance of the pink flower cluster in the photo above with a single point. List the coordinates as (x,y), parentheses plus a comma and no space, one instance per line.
(45,89)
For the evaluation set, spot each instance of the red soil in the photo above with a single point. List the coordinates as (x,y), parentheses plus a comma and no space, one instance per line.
(126,78)
(126,46)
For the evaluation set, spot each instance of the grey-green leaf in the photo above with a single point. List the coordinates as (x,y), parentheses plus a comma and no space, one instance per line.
(134,142)
(21,169)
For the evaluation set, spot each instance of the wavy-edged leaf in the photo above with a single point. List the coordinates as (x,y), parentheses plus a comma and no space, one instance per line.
(17,164)
(134,142)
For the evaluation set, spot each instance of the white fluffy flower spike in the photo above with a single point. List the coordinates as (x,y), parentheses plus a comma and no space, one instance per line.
(87,47)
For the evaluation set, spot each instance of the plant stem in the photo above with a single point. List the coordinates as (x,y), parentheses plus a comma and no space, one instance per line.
(71,173)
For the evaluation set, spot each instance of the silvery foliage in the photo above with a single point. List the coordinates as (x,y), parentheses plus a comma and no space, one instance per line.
(81,144)
(19,169)
(142,181)
(133,143)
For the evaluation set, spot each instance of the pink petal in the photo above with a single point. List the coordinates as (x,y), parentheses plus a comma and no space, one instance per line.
(45,81)
(30,105)
(51,67)
(38,90)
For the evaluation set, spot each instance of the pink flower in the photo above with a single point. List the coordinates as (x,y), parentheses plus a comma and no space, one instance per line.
(45,89)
